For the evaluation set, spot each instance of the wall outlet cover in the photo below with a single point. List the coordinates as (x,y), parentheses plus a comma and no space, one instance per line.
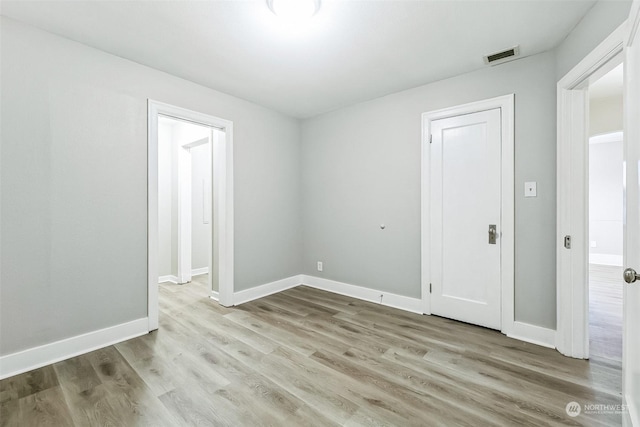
(530,189)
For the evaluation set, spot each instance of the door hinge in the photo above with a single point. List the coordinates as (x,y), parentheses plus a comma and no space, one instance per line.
(567,241)
(429,287)
(430,138)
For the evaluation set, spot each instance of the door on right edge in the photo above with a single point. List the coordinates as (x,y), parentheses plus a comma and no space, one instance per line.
(631,296)
(465,218)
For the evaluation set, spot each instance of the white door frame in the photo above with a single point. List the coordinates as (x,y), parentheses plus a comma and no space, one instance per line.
(222,211)
(507,212)
(631,144)
(572,333)
(185,267)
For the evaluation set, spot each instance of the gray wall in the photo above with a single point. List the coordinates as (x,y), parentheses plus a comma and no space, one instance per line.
(603,18)
(362,167)
(73,175)
(74,186)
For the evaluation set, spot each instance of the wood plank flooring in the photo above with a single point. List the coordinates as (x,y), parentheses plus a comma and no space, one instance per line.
(309,358)
(605,311)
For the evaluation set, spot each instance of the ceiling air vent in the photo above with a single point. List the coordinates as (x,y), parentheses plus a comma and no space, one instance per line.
(503,56)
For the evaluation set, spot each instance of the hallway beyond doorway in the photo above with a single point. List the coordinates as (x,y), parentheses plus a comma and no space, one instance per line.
(605,311)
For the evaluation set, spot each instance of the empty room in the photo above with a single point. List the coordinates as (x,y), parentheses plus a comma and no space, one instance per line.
(319,212)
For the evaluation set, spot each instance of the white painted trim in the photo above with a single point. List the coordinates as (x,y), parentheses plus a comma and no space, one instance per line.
(533,334)
(631,412)
(170,278)
(507,256)
(266,289)
(222,212)
(389,299)
(37,357)
(184,214)
(199,271)
(153,223)
(604,138)
(185,205)
(214,295)
(606,259)
(631,94)
(520,331)
(572,337)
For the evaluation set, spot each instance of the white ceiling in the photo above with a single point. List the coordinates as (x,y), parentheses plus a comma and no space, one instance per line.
(351,51)
(608,85)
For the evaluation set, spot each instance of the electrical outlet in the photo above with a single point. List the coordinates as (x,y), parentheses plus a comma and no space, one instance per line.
(530,189)
(320,266)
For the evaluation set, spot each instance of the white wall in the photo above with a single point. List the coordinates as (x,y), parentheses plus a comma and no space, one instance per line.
(172,135)
(605,115)
(186,133)
(362,168)
(200,224)
(605,202)
(74,186)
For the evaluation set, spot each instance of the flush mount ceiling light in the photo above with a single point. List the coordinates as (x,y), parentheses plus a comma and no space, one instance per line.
(294,10)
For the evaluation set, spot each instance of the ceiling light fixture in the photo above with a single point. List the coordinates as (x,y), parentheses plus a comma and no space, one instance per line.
(294,10)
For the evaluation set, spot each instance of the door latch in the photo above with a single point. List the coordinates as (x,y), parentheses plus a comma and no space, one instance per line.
(567,241)
(492,234)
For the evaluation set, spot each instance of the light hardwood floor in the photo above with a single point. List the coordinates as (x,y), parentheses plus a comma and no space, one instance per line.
(310,358)
(605,311)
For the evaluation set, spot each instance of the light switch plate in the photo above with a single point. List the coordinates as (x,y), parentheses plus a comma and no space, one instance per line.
(530,189)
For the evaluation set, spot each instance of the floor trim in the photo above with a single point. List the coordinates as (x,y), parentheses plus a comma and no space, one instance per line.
(533,334)
(169,278)
(199,271)
(606,259)
(33,358)
(37,357)
(266,289)
(389,299)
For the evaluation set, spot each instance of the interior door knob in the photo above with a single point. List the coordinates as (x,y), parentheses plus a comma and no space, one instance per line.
(630,275)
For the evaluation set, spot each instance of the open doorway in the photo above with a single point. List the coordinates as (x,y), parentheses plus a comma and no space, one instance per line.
(606,207)
(184,201)
(190,205)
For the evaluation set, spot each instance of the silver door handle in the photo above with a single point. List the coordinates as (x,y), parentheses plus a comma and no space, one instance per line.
(492,234)
(630,275)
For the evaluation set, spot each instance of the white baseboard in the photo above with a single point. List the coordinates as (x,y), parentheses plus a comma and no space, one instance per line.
(169,278)
(631,417)
(605,259)
(37,357)
(215,295)
(199,271)
(266,289)
(533,334)
(413,305)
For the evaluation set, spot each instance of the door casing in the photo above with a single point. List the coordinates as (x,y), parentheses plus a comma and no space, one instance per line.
(507,210)
(572,337)
(222,209)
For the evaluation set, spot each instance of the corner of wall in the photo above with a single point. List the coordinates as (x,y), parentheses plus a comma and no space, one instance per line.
(600,21)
